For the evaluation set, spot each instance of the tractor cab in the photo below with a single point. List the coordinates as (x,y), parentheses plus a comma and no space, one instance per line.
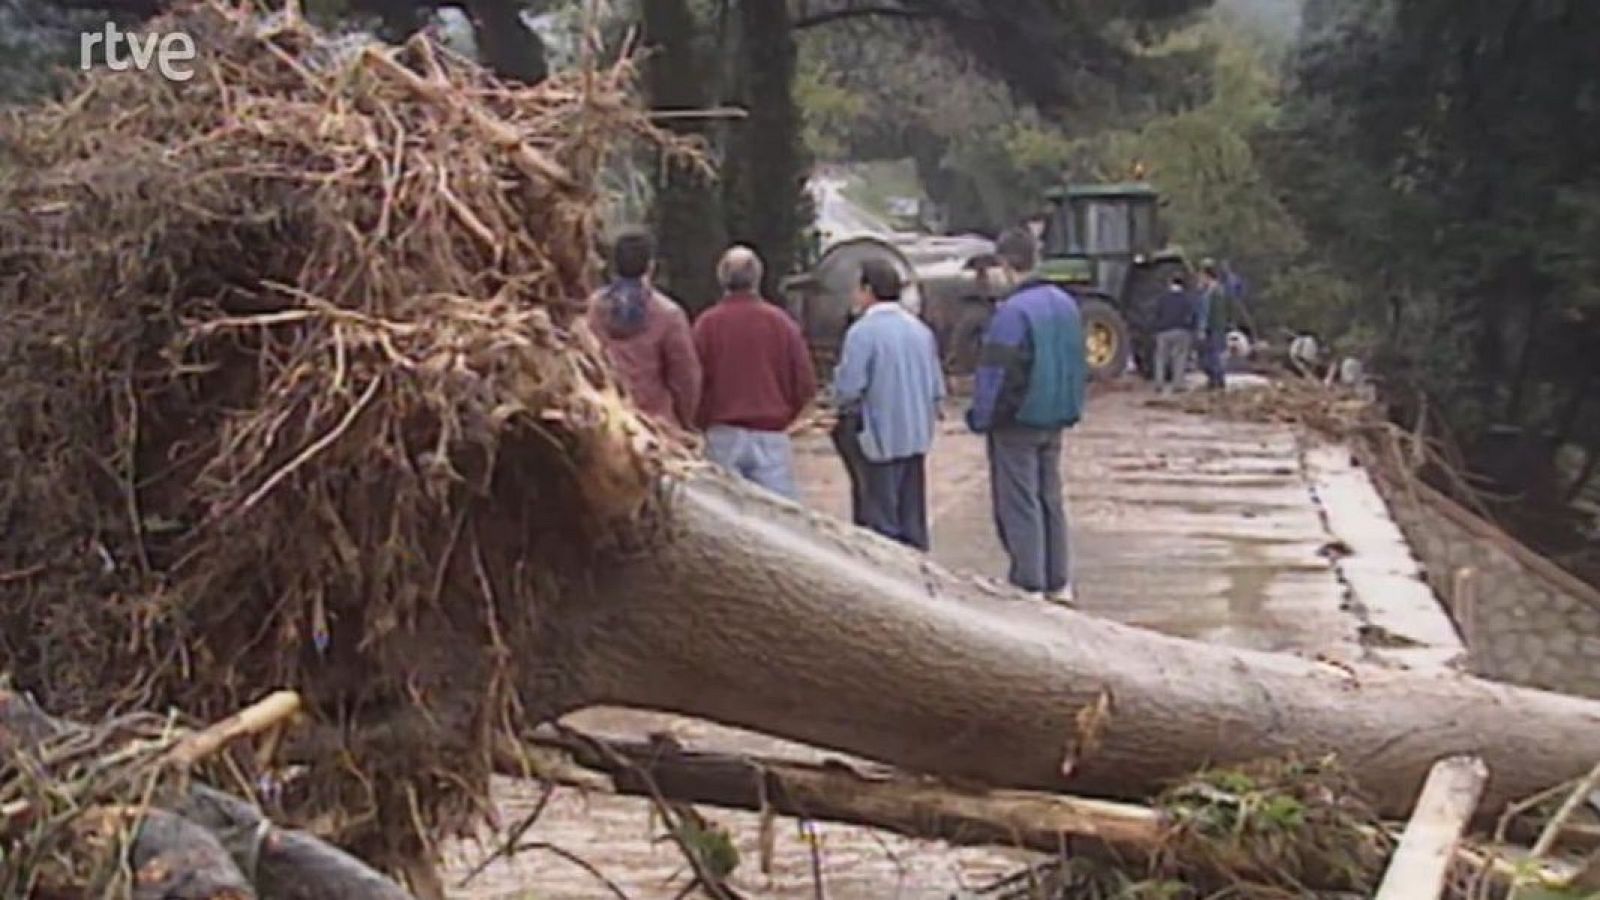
(1095,233)
(1104,243)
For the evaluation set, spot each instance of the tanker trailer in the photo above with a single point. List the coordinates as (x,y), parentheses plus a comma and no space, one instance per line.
(952,285)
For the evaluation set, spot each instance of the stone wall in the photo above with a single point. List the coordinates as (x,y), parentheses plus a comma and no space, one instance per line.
(1524,619)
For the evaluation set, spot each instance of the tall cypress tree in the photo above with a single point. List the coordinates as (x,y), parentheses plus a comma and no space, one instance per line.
(765,170)
(688,207)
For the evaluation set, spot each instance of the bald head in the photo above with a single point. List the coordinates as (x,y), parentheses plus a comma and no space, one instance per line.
(740,270)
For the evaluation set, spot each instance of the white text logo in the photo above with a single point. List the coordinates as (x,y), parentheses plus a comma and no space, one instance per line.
(168,54)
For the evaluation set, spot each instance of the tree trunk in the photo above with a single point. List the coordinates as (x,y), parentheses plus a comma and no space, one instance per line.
(506,44)
(1131,835)
(758,614)
(688,210)
(766,170)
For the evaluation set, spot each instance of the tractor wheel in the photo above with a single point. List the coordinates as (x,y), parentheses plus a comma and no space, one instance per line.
(1106,339)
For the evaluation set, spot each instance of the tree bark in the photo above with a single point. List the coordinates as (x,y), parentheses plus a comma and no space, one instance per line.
(688,209)
(1129,835)
(765,172)
(756,613)
(889,801)
(507,45)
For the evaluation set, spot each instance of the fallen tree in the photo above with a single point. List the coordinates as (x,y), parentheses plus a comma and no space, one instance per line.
(756,613)
(295,390)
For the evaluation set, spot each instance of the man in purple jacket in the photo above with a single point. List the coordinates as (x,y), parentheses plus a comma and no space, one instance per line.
(1030,387)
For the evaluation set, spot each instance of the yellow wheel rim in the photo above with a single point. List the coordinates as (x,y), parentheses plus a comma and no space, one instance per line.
(1102,344)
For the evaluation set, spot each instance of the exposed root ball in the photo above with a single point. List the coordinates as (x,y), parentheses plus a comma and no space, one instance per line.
(294,392)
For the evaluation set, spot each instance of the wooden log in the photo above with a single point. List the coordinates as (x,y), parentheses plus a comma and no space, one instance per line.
(889,801)
(834,791)
(1421,863)
(270,712)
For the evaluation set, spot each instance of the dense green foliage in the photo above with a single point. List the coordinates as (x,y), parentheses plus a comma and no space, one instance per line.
(985,152)
(1445,157)
(39,43)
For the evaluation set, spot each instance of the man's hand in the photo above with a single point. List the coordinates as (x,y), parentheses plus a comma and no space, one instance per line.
(972,422)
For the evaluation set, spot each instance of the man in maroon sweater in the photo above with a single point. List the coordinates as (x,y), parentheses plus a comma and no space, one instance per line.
(757,377)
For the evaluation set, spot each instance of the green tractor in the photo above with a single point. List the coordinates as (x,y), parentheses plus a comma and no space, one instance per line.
(1100,242)
(1103,243)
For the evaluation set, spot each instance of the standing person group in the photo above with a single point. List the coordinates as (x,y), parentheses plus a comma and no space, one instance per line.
(1186,320)
(742,374)
(1030,388)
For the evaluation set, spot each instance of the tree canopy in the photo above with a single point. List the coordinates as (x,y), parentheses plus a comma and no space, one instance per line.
(1447,158)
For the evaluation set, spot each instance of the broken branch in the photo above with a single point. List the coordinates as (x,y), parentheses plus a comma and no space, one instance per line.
(1421,864)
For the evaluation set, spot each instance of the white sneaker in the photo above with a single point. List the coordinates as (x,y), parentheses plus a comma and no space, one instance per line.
(1066,596)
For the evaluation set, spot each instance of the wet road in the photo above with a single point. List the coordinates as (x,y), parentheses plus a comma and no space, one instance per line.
(1208,529)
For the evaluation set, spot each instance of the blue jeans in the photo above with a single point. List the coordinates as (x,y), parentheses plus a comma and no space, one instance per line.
(764,457)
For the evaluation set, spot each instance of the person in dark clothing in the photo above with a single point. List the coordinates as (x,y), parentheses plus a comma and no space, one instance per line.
(1215,314)
(1177,320)
(1030,387)
(846,436)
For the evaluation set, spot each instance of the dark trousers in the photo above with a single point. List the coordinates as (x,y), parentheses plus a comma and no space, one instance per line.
(897,500)
(1211,359)
(847,441)
(1029,509)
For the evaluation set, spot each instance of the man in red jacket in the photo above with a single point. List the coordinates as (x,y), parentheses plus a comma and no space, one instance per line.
(758,377)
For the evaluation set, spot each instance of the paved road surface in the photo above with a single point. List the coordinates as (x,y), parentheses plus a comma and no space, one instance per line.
(1213,530)
(1180,523)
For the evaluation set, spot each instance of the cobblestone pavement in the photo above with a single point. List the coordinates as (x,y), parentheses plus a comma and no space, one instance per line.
(1183,524)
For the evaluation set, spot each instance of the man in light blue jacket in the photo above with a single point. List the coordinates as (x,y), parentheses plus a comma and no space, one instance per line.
(889,373)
